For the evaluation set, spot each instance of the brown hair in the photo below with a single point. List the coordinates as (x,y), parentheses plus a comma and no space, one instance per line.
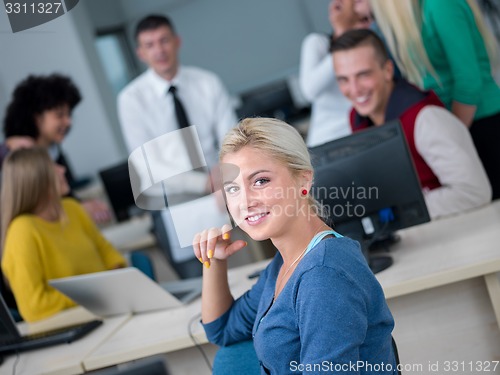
(28,182)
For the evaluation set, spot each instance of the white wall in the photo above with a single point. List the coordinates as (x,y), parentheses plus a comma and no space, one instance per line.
(247,43)
(57,47)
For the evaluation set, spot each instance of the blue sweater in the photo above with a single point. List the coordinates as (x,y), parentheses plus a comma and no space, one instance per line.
(330,315)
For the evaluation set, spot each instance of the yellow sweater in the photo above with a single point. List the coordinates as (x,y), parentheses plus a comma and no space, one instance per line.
(37,250)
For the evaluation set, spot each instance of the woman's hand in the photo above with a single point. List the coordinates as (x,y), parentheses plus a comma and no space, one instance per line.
(98,210)
(215,243)
(16,142)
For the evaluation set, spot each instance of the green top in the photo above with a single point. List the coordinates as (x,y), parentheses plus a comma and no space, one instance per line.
(457,51)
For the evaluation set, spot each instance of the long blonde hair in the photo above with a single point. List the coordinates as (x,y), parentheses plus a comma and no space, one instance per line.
(28,181)
(276,139)
(401,23)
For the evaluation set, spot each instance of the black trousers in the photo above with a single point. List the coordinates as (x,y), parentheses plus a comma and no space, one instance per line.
(485,133)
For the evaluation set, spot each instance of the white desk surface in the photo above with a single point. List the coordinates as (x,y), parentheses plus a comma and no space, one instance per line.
(438,253)
(132,234)
(444,251)
(62,359)
(162,331)
(430,255)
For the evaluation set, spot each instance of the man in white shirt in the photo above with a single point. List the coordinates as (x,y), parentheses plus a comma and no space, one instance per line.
(146,107)
(448,166)
(330,109)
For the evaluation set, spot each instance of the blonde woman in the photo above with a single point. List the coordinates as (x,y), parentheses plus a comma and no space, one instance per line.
(446,46)
(317,301)
(43,236)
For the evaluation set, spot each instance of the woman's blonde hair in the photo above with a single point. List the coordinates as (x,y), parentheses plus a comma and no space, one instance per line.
(401,23)
(28,182)
(278,140)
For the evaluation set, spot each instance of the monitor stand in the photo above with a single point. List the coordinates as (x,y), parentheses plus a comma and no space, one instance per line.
(379,262)
(376,261)
(378,257)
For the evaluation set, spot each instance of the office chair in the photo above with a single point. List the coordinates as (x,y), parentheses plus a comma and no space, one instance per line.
(116,182)
(396,354)
(148,366)
(142,262)
(9,299)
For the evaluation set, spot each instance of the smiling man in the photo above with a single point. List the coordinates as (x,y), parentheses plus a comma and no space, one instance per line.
(450,172)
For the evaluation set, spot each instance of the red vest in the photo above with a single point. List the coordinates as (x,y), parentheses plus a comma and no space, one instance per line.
(425,174)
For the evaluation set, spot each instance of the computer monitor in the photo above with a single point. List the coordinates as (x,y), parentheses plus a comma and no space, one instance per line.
(116,181)
(368,184)
(272,100)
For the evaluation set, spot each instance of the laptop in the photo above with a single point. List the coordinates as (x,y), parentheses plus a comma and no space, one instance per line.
(12,341)
(185,290)
(116,292)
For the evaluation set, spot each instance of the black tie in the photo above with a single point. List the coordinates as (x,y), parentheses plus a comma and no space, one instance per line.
(183,122)
(180,112)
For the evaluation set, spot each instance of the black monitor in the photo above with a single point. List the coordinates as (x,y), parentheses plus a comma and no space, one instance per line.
(272,100)
(116,181)
(368,184)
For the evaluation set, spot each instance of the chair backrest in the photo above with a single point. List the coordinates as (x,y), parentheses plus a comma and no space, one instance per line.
(396,354)
(142,261)
(149,366)
(9,299)
(116,181)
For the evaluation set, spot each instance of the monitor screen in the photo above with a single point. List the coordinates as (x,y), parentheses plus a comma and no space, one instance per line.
(116,182)
(368,184)
(272,100)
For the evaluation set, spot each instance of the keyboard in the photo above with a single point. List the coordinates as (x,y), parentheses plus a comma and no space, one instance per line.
(49,338)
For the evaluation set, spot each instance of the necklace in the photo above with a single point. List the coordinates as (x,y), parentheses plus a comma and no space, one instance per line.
(278,284)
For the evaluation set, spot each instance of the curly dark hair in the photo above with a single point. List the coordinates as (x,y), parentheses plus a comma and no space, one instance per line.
(33,96)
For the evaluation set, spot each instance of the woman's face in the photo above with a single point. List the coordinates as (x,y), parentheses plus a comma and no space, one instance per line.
(262,195)
(53,125)
(353,14)
(364,12)
(62,183)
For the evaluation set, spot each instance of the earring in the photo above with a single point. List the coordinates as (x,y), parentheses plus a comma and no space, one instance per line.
(304,192)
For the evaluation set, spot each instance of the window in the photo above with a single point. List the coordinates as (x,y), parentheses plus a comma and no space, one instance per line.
(116,58)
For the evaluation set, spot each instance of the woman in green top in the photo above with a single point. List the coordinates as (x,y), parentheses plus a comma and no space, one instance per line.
(445,46)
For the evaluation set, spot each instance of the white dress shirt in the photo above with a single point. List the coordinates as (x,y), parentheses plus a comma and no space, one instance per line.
(330,109)
(445,144)
(146,111)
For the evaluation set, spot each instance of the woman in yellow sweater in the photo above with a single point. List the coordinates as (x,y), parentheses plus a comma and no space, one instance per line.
(43,236)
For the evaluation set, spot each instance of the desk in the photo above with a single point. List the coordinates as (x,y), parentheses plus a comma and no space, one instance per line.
(64,359)
(162,331)
(131,235)
(443,291)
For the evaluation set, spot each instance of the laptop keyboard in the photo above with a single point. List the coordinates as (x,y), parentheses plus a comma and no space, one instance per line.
(58,336)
